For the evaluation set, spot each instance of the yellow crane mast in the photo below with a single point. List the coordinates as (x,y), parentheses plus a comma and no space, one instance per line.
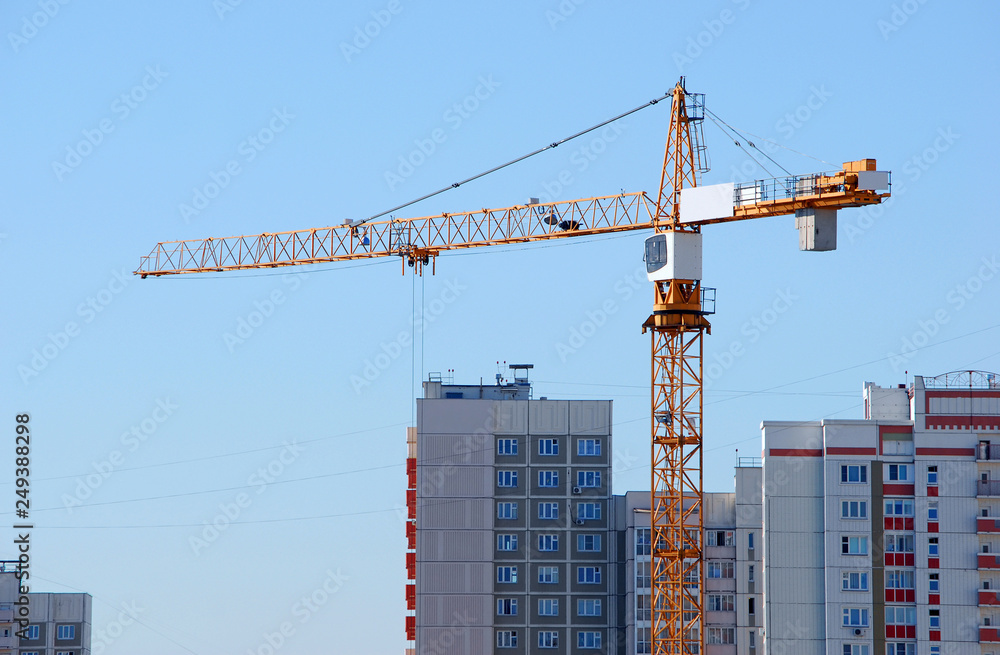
(677,323)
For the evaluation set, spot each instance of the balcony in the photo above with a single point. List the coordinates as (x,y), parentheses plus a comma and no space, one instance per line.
(988,453)
(988,560)
(989,634)
(989,597)
(988,488)
(987,525)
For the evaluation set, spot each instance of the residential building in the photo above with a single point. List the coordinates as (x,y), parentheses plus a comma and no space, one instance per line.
(59,624)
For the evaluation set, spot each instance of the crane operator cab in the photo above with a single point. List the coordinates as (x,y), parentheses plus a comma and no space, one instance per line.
(673,255)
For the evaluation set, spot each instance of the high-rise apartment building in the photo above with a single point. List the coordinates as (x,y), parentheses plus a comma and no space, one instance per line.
(58,624)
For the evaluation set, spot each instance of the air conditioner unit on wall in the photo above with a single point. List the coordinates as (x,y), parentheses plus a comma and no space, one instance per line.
(858,632)
(577,490)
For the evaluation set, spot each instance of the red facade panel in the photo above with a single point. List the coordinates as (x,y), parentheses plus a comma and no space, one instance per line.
(988,561)
(932,491)
(933,527)
(933,563)
(411,628)
(989,597)
(897,489)
(933,599)
(411,566)
(411,597)
(989,635)
(935,635)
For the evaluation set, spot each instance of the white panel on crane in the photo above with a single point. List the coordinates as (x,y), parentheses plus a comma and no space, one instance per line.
(703,203)
(873,180)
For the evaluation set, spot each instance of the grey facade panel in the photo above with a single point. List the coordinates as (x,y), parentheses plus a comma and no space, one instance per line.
(441,514)
(455,577)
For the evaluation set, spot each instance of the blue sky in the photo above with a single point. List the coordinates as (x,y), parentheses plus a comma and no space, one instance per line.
(161,406)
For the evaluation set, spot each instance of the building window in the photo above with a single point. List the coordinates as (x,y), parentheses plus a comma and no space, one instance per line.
(506,638)
(854,545)
(548,478)
(548,574)
(931,475)
(548,510)
(854,473)
(899,579)
(856,649)
(856,617)
(548,607)
(548,446)
(588,607)
(65,631)
(548,542)
(751,605)
(548,639)
(588,639)
(588,479)
(721,568)
(935,650)
(506,446)
(642,607)
(588,543)
(932,547)
(31,632)
(901,648)
(506,478)
(899,507)
(506,542)
(507,574)
(588,447)
(721,636)
(933,583)
(855,581)
(506,607)
(899,543)
(899,472)
(642,541)
(854,509)
(720,602)
(506,510)
(643,645)
(750,573)
(932,510)
(896,615)
(750,540)
(719,538)
(642,575)
(935,619)
(588,511)
(588,574)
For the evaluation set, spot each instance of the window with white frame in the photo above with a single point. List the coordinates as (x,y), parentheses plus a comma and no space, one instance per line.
(548,607)
(588,479)
(506,478)
(899,472)
(933,583)
(588,543)
(855,581)
(506,607)
(856,649)
(506,446)
(750,541)
(588,574)
(548,510)
(590,511)
(643,602)
(854,509)
(898,507)
(720,636)
(642,575)
(932,476)
(506,638)
(548,446)
(588,447)
(932,547)
(719,538)
(899,579)
(588,607)
(548,478)
(856,617)
(934,619)
(643,645)
(935,650)
(720,568)
(932,510)
(854,473)
(548,574)
(506,542)
(507,574)
(900,615)
(898,543)
(548,542)
(588,639)
(900,648)
(31,632)
(720,602)
(507,510)
(642,546)
(856,545)
(548,639)
(65,632)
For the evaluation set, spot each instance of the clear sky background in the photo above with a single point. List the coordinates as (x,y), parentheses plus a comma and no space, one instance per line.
(115,114)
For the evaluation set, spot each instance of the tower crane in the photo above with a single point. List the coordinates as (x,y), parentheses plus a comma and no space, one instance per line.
(678,322)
